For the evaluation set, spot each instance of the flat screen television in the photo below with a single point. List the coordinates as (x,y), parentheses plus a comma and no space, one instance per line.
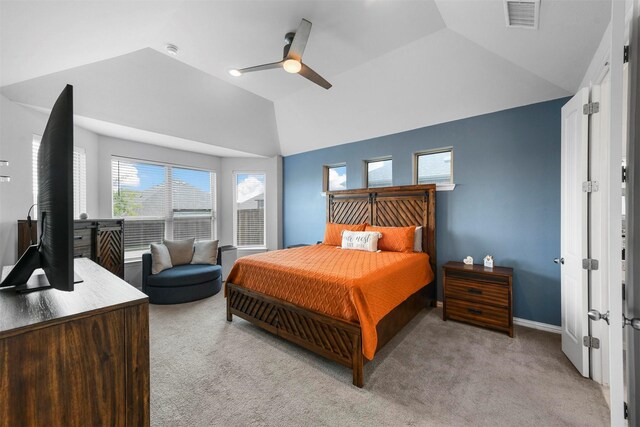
(54,251)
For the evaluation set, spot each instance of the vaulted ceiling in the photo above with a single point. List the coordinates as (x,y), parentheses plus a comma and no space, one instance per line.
(394,65)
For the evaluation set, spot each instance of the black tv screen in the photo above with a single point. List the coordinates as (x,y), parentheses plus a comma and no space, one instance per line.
(54,253)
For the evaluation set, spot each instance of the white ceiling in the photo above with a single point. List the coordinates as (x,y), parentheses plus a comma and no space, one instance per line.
(150,91)
(395,65)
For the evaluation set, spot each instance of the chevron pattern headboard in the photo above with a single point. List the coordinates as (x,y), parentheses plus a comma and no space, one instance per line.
(400,206)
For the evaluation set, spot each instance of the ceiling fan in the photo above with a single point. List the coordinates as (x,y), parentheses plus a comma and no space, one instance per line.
(291,58)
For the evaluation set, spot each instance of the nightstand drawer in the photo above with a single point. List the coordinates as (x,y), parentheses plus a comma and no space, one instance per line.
(482,292)
(478,313)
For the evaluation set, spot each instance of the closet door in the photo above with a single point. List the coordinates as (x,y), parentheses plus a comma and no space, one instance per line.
(574,229)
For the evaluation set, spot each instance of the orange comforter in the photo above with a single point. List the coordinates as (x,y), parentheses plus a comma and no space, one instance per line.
(352,285)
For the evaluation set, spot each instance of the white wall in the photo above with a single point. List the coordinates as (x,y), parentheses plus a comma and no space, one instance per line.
(272,167)
(18,125)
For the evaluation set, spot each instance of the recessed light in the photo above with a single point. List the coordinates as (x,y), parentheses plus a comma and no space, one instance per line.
(171,49)
(4,162)
(235,73)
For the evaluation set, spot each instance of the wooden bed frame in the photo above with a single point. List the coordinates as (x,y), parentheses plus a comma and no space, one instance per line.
(333,338)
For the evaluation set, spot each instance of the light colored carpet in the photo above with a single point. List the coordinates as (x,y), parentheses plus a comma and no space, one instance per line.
(206,371)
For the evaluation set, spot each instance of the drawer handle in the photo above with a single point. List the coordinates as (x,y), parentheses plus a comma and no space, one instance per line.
(475,291)
(474,311)
(78,237)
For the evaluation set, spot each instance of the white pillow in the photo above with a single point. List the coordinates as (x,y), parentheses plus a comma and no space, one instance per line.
(160,258)
(361,240)
(205,252)
(417,240)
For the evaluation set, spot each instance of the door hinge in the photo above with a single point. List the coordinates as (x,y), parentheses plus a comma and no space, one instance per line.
(625,55)
(590,186)
(591,342)
(624,174)
(590,264)
(626,411)
(591,108)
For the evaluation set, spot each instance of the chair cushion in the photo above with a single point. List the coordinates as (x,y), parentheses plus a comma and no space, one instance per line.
(185,275)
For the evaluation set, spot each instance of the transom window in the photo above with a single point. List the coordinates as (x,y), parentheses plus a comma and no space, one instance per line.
(161,201)
(379,173)
(335,177)
(435,167)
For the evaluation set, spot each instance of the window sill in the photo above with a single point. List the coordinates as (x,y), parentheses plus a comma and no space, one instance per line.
(251,248)
(445,187)
(133,256)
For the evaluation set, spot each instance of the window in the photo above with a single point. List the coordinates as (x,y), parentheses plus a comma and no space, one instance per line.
(79,177)
(435,167)
(335,177)
(248,207)
(379,173)
(162,201)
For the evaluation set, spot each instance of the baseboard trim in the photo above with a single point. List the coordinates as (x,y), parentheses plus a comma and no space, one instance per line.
(529,323)
(537,325)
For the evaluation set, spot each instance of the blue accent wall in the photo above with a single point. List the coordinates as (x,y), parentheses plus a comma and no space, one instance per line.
(506,201)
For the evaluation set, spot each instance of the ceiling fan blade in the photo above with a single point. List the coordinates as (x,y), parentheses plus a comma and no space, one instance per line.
(262,67)
(300,40)
(308,73)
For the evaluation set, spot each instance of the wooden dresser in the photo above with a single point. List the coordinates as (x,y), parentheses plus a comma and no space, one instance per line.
(478,295)
(76,358)
(100,240)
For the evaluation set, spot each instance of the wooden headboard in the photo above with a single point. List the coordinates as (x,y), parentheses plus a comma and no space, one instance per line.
(400,206)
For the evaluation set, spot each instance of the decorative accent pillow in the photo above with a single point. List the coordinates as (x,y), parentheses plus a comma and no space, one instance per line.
(417,240)
(360,240)
(333,232)
(181,251)
(205,252)
(395,239)
(160,258)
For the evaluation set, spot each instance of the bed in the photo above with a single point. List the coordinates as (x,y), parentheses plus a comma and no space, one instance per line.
(306,296)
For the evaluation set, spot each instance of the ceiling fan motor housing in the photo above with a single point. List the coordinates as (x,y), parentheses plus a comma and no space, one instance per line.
(288,39)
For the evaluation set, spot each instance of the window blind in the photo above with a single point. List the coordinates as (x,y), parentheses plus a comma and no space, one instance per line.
(192,200)
(249,218)
(162,201)
(79,177)
(79,182)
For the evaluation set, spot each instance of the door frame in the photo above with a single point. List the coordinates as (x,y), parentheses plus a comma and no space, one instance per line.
(632,276)
(599,145)
(614,228)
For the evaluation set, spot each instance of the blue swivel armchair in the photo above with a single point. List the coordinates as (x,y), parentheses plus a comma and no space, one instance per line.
(182,283)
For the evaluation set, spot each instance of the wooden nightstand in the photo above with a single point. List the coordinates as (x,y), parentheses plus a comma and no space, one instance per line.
(478,295)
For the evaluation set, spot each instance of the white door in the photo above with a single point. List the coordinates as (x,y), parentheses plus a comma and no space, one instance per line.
(573,237)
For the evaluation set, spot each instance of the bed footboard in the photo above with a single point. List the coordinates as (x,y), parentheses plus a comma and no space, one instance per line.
(327,336)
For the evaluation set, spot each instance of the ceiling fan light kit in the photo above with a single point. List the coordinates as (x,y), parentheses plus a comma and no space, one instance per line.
(295,44)
(292,66)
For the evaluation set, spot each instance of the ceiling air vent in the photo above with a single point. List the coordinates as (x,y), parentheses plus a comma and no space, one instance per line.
(522,13)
